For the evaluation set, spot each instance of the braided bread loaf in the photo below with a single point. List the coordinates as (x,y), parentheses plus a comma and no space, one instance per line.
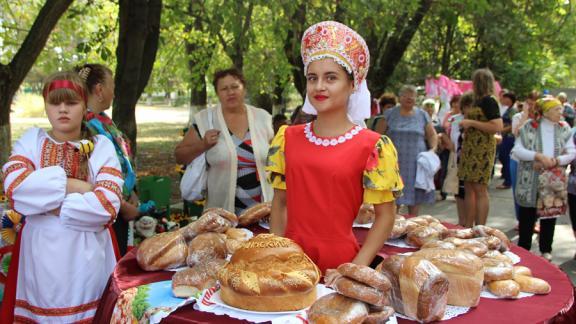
(269,273)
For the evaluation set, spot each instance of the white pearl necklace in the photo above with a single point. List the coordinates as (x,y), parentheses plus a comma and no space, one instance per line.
(330,142)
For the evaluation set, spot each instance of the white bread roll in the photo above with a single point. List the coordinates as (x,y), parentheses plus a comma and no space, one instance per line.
(504,288)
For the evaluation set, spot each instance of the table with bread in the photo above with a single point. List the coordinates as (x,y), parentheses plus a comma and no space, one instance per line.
(445,268)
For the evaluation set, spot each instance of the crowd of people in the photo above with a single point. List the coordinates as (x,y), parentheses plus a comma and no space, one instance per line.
(76,181)
(531,138)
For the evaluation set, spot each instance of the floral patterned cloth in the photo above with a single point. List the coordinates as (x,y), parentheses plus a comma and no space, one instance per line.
(552,198)
(478,147)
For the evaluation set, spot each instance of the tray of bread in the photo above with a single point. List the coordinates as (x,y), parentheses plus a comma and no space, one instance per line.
(269,277)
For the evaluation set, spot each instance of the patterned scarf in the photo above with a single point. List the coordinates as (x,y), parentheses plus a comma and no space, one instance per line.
(103,125)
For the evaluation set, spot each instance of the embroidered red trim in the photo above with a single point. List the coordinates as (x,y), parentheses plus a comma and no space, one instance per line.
(13,167)
(23,159)
(66,156)
(107,205)
(19,319)
(13,185)
(85,321)
(111,171)
(110,185)
(63,311)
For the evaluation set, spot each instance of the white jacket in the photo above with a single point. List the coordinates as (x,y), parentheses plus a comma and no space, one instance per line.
(428,164)
(223,159)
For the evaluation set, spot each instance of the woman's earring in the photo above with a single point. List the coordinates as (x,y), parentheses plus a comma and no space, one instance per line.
(100,99)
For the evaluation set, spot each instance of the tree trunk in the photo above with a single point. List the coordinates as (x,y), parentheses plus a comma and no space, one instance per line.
(447,48)
(264,101)
(198,95)
(197,61)
(137,46)
(12,75)
(396,46)
(292,48)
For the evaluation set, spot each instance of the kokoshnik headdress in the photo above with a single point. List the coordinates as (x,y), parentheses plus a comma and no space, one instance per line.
(331,39)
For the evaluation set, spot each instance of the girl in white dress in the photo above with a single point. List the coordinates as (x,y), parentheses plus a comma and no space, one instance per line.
(67,183)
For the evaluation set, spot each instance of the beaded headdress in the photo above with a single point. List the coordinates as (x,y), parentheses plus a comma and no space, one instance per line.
(339,42)
(331,39)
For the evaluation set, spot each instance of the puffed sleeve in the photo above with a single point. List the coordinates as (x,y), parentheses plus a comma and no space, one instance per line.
(275,164)
(31,190)
(93,210)
(382,182)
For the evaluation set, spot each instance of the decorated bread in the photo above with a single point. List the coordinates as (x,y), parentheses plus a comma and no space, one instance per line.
(269,273)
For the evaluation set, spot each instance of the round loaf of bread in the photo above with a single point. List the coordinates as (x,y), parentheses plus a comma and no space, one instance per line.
(255,213)
(269,273)
(162,251)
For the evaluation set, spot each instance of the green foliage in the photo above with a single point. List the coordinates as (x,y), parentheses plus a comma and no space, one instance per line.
(524,43)
(86,33)
(528,44)
(140,305)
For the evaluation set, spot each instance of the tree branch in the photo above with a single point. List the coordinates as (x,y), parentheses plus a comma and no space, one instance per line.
(36,40)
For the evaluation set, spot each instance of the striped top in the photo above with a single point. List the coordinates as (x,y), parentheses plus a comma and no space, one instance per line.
(248,189)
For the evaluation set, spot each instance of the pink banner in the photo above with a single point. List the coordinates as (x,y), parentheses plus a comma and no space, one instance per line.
(444,87)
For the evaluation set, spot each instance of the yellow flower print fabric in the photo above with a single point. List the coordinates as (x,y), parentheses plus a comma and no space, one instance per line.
(275,166)
(381,180)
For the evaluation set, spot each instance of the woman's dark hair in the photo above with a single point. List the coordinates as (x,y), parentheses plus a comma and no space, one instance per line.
(387,98)
(510,95)
(224,73)
(279,118)
(92,74)
(455,98)
(295,113)
(467,100)
(533,95)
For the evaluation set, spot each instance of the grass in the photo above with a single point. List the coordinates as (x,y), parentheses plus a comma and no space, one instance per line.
(155,154)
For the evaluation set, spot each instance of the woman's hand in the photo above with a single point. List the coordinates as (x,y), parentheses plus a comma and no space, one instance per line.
(210,138)
(466,123)
(128,211)
(544,162)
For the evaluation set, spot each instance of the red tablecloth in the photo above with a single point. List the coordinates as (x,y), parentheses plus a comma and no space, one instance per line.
(556,307)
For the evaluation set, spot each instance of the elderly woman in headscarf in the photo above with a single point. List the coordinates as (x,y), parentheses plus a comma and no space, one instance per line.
(544,147)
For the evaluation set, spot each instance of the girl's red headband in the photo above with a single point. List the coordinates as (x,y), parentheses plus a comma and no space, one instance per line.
(64,84)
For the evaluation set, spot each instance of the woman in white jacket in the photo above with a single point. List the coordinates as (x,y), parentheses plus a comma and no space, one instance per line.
(236,146)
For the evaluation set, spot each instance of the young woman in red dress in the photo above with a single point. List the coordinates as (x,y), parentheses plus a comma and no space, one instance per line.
(324,170)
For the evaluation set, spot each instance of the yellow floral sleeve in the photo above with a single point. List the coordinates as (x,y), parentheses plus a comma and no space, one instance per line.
(275,165)
(381,180)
